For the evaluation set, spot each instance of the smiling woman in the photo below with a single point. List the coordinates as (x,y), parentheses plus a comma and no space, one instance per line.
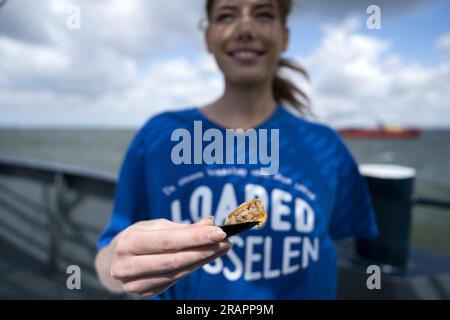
(314,196)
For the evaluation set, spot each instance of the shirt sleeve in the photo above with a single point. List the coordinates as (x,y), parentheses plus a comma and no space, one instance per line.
(353,214)
(129,201)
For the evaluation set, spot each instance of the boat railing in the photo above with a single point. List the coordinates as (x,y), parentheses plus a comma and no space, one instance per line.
(54,213)
(430,202)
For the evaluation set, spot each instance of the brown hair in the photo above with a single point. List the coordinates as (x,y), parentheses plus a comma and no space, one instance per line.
(284,90)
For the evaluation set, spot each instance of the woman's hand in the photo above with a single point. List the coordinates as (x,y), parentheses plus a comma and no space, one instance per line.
(150,256)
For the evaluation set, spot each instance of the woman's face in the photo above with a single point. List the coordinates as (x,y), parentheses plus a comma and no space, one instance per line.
(247,38)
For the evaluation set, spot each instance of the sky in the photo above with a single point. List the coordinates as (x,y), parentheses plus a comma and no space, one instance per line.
(131,59)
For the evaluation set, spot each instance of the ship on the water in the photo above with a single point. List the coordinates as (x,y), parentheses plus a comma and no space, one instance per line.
(381,132)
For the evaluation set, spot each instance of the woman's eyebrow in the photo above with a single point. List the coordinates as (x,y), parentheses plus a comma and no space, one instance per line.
(227,7)
(263,6)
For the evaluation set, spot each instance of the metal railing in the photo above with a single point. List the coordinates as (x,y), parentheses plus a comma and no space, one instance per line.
(65,189)
(422,201)
(42,222)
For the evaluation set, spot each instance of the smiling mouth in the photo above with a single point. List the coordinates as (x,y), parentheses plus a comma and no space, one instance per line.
(246,55)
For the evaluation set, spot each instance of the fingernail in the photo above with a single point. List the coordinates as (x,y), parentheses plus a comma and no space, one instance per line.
(228,246)
(210,220)
(217,235)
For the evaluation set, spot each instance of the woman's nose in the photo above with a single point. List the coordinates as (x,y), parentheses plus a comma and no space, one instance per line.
(245,27)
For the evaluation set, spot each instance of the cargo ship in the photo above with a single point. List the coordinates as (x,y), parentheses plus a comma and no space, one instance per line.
(381,132)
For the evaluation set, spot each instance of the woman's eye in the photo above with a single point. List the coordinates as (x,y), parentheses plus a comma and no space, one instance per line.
(266,16)
(225,17)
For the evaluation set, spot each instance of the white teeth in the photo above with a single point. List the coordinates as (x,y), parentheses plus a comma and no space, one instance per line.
(245,54)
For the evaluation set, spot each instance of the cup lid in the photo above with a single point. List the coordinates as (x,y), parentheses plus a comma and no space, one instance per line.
(387,171)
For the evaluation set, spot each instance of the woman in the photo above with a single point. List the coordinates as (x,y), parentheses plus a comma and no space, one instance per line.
(315,196)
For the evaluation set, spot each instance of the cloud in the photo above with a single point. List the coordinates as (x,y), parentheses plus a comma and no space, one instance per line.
(50,75)
(337,10)
(357,79)
(134,28)
(139,27)
(126,102)
(17,22)
(443,42)
(132,59)
(27,66)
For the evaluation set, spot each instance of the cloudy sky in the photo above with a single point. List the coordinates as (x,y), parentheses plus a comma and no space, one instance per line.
(133,58)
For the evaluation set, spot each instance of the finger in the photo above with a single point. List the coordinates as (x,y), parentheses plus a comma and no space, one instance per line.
(147,265)
(164,224)
(148,286)
(158,291)
(158,224)
(147,292)
(143,242)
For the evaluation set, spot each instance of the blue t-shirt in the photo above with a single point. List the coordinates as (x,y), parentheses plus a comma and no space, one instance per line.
(317,197)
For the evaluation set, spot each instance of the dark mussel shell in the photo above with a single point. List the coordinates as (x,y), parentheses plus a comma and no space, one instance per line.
(234,229)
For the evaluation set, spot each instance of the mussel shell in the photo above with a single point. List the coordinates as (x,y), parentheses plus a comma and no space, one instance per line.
(234,229)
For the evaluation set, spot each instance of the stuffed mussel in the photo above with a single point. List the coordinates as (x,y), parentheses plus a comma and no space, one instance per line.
(245,217)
